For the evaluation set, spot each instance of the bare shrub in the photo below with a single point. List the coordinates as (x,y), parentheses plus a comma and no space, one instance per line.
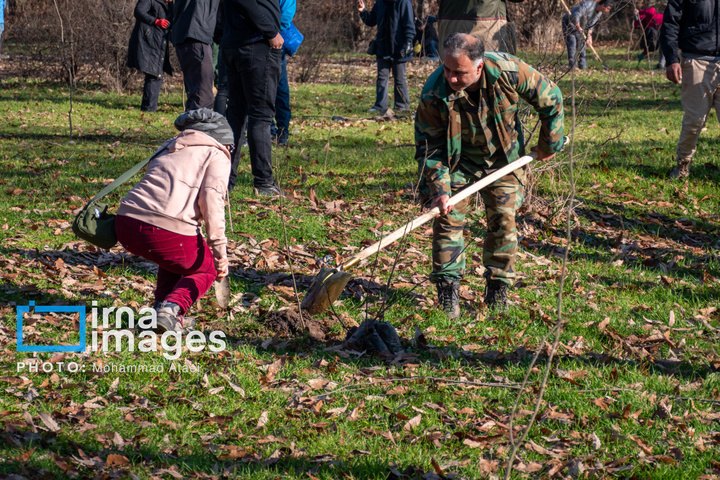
(95,33)
(328,26)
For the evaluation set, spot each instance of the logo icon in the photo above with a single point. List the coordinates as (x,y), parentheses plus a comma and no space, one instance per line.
(21,347)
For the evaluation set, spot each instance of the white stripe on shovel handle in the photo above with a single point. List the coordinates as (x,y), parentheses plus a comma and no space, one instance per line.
(412,225)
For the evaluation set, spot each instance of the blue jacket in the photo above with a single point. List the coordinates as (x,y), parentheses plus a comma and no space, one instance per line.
(287,13)
(2,11)
(395,28)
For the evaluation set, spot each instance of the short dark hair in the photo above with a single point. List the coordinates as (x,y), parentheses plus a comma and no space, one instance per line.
(458,43)
(606,3)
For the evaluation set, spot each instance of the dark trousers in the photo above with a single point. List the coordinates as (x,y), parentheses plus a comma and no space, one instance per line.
(186,268)
(151,92)
(282,103)
(221,83)
(253,73)
(196,63)
(574,41)
(402,97)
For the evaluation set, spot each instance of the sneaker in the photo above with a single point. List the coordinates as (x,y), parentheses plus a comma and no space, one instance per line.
(377,110)
(169,318)
(269,191)
(681,170)
(496,294)
(449,297)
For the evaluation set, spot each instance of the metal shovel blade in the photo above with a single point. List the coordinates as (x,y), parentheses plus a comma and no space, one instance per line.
(325,289)
(222,291)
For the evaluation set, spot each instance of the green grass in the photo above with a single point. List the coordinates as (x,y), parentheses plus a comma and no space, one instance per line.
(633,391)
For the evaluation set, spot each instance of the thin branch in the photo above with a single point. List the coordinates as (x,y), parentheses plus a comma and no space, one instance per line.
(512,386)
(557,328)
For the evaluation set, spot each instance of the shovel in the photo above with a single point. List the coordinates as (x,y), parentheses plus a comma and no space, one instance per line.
(222,291)
(330,282)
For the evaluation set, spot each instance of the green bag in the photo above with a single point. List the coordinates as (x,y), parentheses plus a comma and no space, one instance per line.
(94,223)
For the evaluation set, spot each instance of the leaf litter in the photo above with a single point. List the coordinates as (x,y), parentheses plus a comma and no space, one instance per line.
(468,426)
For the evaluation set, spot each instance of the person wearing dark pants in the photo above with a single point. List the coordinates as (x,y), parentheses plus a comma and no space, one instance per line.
(394,48)
(252,50)
(148,50)
(193,27)
(253,73)
(195,60)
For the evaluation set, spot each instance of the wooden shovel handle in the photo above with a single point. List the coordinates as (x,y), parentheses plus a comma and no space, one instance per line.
(412,225)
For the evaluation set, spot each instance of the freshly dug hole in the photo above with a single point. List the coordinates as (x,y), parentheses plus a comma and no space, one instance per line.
(288,323)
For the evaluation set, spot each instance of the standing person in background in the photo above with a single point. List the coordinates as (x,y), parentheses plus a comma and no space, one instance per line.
(486,20)
(394,48)
(252,50)
(280,131)
(649,23)
(582,18)
(693,27)
(149,50)
(192,34)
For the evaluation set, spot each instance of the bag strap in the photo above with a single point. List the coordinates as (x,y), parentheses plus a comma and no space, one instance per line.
(125,177)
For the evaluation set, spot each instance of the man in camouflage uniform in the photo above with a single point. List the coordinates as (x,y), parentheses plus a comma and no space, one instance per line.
(467,127)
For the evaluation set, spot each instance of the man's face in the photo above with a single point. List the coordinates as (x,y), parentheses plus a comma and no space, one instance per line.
(603,8)
(460,72)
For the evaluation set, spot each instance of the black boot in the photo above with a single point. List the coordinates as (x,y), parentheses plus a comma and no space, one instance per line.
(449,297)
(496,294)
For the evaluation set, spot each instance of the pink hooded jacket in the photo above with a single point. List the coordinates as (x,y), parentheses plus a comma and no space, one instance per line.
(184,187)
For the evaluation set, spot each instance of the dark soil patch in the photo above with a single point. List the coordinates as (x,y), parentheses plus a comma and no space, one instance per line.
(288,323)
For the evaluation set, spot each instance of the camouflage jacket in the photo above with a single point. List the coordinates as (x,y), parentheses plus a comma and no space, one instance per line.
(439,135)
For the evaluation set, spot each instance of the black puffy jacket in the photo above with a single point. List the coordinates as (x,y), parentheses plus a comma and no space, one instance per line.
(693,26)
(395,28)
(148,50)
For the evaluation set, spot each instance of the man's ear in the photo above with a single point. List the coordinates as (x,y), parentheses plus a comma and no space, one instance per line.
(480,66)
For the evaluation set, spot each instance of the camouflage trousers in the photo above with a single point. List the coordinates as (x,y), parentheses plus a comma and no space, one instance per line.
(502,199)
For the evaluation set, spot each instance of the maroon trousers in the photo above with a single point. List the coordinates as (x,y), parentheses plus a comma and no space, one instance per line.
(185,263)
